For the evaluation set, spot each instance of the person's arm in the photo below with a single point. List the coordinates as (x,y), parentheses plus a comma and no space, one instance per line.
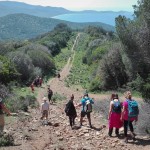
(41,108)
(110,110)
(5,109)
(78,105)
(91,101)
(122,113)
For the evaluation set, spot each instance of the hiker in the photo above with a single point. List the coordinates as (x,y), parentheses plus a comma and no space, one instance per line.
(114,115)
(86,103)
(3,109)
(35,82)
(32,87)
(71,111)
(130,113)
(58,76)
(45,109)
(50,94)
(40,81)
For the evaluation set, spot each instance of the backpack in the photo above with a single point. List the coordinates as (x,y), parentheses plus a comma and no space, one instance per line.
(67,109)
(88,106)
(116,107)
(133,109)
(50,92)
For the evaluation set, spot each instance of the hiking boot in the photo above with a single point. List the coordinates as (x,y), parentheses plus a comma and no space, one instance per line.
(110,132)
(133,136)
(126,140)
(117,132)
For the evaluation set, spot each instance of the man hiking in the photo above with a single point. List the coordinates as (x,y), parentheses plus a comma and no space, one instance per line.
(50,94)
(86,103)
(45,109)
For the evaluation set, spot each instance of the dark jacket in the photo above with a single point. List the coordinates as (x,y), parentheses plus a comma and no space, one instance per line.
(70,109)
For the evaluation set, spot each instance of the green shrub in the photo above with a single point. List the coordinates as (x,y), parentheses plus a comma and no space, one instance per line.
(21,103)
(58,97)
(94,85)
(6,140)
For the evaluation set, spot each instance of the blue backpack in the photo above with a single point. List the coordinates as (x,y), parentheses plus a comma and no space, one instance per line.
(133,109)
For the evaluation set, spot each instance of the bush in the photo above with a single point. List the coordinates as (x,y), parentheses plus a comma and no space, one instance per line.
(21,103)
(23,64)
(94,85)
(42,60)
(58,97)
(6,140)
(7,70)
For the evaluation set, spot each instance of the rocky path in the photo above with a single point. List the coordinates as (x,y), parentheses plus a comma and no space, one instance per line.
(59,136)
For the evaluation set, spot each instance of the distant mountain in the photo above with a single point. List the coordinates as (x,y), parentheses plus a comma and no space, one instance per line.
(108,17)
(94,16)
(22,26)
(10,7)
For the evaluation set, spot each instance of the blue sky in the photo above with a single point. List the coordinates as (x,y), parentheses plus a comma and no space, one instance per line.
(115,5)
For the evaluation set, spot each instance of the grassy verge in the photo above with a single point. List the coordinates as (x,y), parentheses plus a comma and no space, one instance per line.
(62,58)
(79,74)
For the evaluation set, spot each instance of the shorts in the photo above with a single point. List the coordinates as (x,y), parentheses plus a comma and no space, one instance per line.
(83,114)
(45,114)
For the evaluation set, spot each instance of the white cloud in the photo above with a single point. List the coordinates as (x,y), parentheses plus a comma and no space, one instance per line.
(85,4)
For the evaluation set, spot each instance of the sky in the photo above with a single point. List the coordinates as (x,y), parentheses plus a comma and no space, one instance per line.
(115,5)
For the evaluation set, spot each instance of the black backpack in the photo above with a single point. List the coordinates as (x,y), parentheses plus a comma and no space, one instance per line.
(50,92)
(67,109)
(116,106)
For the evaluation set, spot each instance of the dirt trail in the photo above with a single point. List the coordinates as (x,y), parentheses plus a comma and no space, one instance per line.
(58,135)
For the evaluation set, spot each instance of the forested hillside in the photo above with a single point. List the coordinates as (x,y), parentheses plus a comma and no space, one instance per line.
(22,26)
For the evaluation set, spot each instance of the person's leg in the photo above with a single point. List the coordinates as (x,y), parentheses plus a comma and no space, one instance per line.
(49,98)
(132,130)
(117,131)
(73,120)
(1,124)
(70,120)
(131,126)
(81,118)
(110,131)
(89,119)
(46,115)
(125,130)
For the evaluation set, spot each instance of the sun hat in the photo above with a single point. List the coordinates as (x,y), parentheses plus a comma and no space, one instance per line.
(44,98)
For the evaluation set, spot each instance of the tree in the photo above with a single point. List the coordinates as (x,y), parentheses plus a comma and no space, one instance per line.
(8,71)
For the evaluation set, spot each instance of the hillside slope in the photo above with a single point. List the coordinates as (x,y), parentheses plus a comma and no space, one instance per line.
(31,134)
(22,26)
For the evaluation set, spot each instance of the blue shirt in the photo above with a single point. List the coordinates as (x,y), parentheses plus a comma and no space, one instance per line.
(83,102)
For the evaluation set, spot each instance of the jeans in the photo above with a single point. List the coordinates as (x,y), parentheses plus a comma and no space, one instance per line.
(126,124)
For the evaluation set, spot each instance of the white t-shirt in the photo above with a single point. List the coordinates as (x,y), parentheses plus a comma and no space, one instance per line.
(45,106)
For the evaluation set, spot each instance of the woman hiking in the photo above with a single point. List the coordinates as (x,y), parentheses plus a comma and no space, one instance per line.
(114,115)
(71,111)
(130,113)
